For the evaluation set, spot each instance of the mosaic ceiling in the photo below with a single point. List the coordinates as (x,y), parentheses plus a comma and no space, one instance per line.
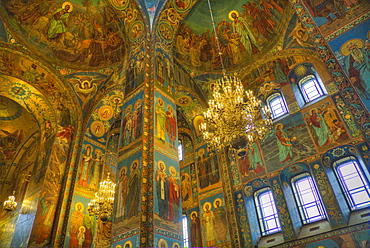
(83,34)
(245,31)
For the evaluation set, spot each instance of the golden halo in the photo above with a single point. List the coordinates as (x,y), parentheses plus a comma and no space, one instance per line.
(162,243)
(94,128)
(194,212)
(233,11)
(172,170)
(169,107)
(133,162)
(138,103)
(70,6)
(175,244)
(82,206)
(164,165)
(217,200)
(201,152)
(128,243)
(82,228)
(205,204)
(118,246)
(313,110)
(344,48)
(109,112)
(98,151)
(124,168)
(128,109)
(160,102)
(88,145)
(279,124)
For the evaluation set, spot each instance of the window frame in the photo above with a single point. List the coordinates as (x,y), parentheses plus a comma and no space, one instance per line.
(318,85)
(360,173)
(277,96)
(261,218)
(304,207)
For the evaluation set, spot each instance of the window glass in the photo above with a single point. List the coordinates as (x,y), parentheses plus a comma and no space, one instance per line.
(308,200)
(353,182)
(310,87)
(277,105)
(185,230)
(266,210)
(179,149)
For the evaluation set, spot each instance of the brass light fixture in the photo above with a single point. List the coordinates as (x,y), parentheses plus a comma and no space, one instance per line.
(10,204)
(102,204)
(235,117)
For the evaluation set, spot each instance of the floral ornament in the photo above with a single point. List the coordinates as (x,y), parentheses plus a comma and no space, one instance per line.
(257,183)
(316,166)
(286,185)
(294,169)
(338,152)
(19,91)
(248,190)
(327,161)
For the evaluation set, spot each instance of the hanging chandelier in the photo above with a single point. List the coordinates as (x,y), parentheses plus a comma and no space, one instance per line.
(102,204)
(10,204)
(235,117)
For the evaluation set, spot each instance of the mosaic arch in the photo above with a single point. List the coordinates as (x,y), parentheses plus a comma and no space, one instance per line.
(76,34)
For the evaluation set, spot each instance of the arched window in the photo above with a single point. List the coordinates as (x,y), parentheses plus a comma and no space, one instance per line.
(311,88)
(353,182)
(180,151)
(266,211)
(185,230)
(277,105)
(307,198)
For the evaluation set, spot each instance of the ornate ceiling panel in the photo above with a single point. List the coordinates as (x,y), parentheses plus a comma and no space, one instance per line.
(83,34)
(246,32)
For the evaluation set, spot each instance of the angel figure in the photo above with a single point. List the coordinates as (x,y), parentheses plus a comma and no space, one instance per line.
(10,142)
(299,36)
(85,87)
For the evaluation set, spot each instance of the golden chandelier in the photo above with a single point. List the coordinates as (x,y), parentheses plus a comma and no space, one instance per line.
(235,117)
(102,204)
(10,204)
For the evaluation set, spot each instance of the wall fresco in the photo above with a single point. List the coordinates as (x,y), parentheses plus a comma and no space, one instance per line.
(132,123)
(291,138)
(165,123)
(127,207)
(214,222)
(331,15)
(325,126)
(208,168)
(167,206)
(352,51)
(251,165)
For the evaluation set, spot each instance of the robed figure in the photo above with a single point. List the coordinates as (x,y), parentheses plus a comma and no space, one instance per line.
(174,196)
(171,126)
(220,218)
(133,196)
(162,190)
(85,167)
(122,193)
(195,231)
